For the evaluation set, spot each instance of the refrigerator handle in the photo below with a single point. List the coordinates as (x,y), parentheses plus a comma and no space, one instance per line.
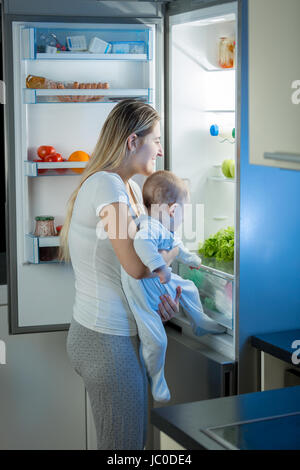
(2,92)
(286,157)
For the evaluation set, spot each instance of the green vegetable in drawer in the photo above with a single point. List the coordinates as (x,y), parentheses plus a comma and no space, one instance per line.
(194,275)
(210,303)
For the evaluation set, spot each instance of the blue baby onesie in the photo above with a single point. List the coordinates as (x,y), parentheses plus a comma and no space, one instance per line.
(143,298)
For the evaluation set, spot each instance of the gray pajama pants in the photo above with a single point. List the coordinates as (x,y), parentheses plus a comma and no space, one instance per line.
(115,380)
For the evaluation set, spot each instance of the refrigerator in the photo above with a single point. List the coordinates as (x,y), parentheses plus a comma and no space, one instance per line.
(169,54)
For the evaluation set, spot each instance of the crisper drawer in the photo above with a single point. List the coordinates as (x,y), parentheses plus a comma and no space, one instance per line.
(216,293)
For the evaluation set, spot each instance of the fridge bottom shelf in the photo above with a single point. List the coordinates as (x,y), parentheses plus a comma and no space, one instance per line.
(221,318)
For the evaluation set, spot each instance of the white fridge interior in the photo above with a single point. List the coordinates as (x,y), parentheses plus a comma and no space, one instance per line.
(203,94)
(69,119)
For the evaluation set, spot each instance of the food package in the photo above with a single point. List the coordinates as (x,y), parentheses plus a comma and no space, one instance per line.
(98,46)
(35,82)
(76,43)
(121,48)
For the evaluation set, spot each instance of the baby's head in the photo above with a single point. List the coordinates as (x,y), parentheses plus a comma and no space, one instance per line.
(164,196)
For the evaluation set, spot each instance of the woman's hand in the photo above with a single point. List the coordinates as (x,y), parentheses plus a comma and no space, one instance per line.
(169,255)
(168,308)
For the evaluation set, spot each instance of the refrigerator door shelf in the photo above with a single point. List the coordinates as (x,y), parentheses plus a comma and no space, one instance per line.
(220,111)
(32,168)
(90,96)
(224,320)
(216,292)
(223,269)
(182,321)
(123,42)
(221,179)
(203,63)
(41,249)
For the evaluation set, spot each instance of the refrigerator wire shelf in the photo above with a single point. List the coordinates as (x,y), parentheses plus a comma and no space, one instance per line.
(221,179)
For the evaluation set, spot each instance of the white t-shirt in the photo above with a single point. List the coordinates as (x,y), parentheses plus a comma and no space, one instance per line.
(100,303)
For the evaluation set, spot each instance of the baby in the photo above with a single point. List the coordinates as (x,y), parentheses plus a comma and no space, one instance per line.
(164,196)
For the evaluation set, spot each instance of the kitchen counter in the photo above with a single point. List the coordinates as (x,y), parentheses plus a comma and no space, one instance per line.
(188,423)
(278,344)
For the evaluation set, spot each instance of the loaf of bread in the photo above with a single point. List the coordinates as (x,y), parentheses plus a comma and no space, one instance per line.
(33,81)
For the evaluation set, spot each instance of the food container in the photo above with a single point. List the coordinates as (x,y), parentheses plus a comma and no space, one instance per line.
(51,49)
(226,53)
(76,43)
(44,227)
(98,46)
(130,47)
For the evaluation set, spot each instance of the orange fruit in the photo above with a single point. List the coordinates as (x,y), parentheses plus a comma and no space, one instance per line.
(78,156)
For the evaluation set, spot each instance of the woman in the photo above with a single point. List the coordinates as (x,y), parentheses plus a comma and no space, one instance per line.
(102,343)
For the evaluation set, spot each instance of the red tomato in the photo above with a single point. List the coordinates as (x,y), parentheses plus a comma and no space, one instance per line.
(58,157)
(55,157)
(58,229)
(45,150)
(40,172)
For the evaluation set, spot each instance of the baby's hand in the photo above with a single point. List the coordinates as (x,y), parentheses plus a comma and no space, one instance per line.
(164,274)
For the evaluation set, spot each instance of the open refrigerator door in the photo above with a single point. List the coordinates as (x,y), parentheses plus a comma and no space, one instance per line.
(203,151)
(67,77)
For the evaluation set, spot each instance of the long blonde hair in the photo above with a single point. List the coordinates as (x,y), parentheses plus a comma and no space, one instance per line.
(127,117)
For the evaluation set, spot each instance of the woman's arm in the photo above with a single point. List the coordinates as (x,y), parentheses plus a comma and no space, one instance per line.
(121,229)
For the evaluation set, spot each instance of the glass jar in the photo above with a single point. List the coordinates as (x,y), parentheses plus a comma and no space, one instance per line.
(226,53)
(44,227)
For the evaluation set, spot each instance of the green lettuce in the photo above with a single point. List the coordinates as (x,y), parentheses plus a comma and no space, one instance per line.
(220,245)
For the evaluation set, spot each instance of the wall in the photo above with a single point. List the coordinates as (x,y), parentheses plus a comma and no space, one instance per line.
(269,238)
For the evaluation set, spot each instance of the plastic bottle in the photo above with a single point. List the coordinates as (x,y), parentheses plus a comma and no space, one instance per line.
(222,132)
